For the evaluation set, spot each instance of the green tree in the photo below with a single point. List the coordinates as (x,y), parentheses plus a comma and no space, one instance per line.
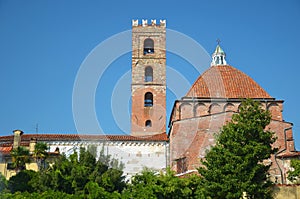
(93,191)
(87,157)
(72,174)
(294,175)
(40,154)
(45,195)
(235,164)
(112,180)
(3,183)
(20,156)
(20,182)
(144,185)
(56,178)
(60,173)
(151,184)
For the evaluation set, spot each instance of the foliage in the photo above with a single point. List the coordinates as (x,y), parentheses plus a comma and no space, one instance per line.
(40,154)
(73,174)
(20,156)
(70,177)
(294,174)
(235,164)
(3,183)
(150,184)
(45,195)
(20,182)
(93,190)
(144,185)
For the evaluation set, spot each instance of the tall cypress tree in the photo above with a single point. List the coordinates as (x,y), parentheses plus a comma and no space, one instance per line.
(234,166)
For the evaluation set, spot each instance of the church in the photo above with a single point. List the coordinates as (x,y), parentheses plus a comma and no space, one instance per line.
(211,101)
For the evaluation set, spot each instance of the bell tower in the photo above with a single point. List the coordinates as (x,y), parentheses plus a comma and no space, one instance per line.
(148,87)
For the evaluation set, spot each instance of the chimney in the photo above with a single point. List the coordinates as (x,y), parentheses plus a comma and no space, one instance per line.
(17,138)
(32,144)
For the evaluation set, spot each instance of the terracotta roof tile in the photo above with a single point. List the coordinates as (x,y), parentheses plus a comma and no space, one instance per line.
(5,149)
(75,137)
(289,154)
(224,81)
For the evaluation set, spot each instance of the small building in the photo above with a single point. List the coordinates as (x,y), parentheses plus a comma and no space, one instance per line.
(135,153)
(8,143)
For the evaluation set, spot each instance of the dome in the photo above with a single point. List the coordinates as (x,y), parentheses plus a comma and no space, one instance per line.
(224,81)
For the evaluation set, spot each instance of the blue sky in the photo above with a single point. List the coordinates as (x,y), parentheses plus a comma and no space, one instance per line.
(43,44)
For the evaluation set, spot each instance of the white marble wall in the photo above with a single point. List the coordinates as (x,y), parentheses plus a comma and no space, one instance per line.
(134,154)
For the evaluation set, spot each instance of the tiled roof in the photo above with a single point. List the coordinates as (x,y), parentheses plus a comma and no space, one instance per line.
(5,149)
(77,137)
(224,81)
(289,154)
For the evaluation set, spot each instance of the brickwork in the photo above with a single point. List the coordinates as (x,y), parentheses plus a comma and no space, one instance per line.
(156,85)
(191,138)
(195,121)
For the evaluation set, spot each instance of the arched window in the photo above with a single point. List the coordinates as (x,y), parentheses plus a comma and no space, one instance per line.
(148,123)
(148,46)
(148,100)
(148,74)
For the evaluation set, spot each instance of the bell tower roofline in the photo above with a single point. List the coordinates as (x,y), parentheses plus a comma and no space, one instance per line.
(162,22)
(218,57)
(219,50)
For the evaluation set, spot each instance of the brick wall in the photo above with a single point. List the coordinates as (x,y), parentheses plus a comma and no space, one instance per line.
(194,123)
(155,113)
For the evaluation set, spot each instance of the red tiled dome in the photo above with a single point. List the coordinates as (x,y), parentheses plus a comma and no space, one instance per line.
(224,81)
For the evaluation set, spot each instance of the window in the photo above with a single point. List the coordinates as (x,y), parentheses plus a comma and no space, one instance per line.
(10,166)
(218,60)
(148,123)
(181,165)
(148,100)
(148,46)
(148,74)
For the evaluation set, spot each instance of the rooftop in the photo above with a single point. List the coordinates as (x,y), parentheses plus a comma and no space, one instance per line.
(78,137)
(225,81)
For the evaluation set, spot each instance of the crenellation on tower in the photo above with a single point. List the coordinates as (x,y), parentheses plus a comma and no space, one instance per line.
(135,22)
(144,22)
(153,22)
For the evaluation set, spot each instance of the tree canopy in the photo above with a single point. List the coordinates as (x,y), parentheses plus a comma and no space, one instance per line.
(151,184)
(20,156)
(78,175)
(294,174)
(234,166)
(40,154)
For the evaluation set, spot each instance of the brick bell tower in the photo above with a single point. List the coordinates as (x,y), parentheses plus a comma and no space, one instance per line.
(148,87)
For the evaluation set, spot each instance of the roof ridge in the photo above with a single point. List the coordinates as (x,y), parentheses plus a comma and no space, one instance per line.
(25,137)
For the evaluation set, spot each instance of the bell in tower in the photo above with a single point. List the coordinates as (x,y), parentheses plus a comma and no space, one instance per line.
(148,46)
